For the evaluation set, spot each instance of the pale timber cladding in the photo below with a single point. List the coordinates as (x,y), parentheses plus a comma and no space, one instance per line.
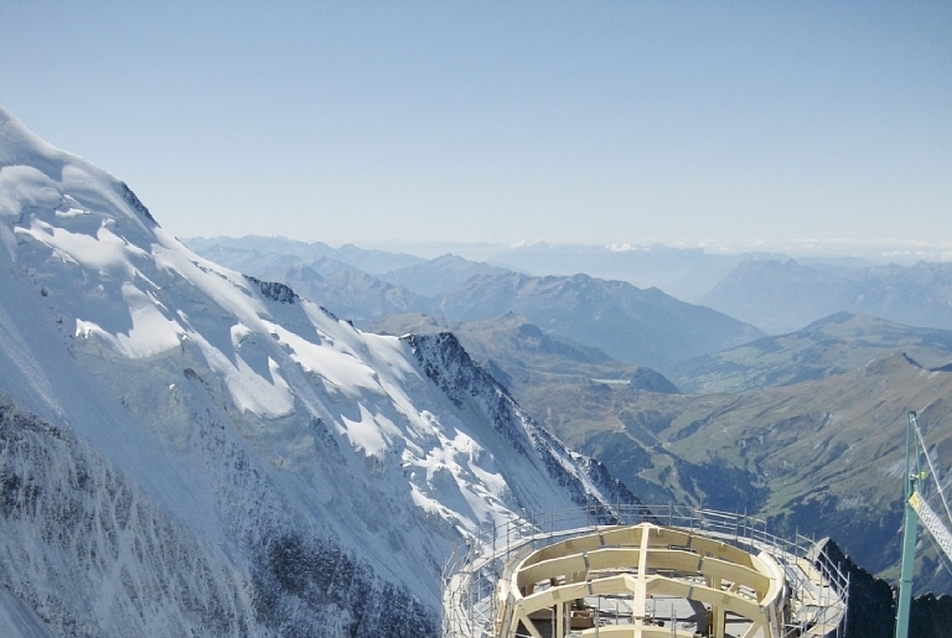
(546,589)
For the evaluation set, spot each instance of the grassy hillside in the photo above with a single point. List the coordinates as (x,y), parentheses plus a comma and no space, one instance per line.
(822,457)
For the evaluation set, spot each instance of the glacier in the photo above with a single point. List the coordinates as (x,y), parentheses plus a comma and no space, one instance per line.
(188,451)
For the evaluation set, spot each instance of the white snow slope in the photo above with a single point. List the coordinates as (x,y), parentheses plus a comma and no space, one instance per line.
(185,451)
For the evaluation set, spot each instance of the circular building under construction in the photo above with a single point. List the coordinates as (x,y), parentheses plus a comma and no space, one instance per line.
(684,573)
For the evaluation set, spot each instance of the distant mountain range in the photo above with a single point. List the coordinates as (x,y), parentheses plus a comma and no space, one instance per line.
(772,292)
(441,275)
(643,327)
(686,273)
(825,348)
(780,296)
(254,254)
(351,293)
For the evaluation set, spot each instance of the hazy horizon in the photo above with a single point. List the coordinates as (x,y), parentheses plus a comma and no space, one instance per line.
(726,126)
(873,251)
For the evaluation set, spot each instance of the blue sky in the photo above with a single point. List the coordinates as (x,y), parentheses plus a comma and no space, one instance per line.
(587,122)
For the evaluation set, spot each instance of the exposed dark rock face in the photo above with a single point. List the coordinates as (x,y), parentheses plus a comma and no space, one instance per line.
(133,200)
(274,290)
(447,364)
(872,604)
(297,580)
(96,523)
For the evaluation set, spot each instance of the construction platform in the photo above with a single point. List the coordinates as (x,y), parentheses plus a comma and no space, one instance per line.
(655,572)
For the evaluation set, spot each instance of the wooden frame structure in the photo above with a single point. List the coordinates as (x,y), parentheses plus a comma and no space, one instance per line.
(543,594)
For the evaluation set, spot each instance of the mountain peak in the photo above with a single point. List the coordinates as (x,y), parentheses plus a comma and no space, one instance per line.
(18,144)
(221,439)
(63,201)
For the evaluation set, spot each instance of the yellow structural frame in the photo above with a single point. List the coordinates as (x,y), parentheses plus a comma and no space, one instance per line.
(639,561)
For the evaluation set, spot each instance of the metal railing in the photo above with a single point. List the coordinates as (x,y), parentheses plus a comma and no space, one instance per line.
(470,576)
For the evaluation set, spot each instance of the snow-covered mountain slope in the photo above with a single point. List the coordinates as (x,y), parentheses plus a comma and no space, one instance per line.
(188,451)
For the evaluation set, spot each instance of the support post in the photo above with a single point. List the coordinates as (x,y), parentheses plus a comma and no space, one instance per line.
(909,525)
(718,613)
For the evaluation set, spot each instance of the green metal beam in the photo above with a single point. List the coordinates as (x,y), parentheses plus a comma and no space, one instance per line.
(909,529)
